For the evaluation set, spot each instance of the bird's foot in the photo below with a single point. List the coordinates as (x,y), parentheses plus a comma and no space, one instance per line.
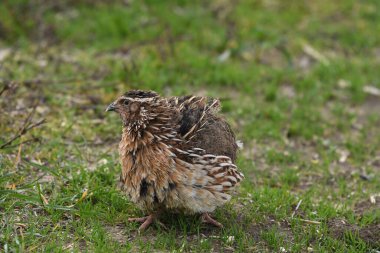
(205,218)
(146,221)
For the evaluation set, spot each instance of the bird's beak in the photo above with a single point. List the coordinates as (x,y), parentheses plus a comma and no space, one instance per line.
(111,107)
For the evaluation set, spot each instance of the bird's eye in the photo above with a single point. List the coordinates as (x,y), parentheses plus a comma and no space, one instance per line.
(126,102)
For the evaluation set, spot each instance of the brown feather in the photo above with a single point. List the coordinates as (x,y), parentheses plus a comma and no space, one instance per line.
(176,154)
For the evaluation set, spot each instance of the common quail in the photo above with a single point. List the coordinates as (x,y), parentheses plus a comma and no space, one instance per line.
(176,154)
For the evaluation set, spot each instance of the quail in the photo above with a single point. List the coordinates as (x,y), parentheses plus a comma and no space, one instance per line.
(177,154)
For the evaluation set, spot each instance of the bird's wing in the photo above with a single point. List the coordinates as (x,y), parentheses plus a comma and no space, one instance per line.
(207,181)
(195,112)
(200,126)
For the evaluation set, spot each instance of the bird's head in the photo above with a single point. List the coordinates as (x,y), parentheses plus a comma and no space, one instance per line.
(133,108)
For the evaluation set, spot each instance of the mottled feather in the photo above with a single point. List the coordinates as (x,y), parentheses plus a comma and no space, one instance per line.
(176,153)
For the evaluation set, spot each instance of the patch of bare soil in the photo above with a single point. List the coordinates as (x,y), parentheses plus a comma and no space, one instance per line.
(117,233)
(287,91)
(217,244)
(272,57)
(307,180)
(370,106)
(256,231)
(306,152)
(370,234)
(338,228)
(368,205)
(340,168)
(283,228)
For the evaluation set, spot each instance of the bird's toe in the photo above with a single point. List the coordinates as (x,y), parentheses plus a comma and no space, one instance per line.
(206,218)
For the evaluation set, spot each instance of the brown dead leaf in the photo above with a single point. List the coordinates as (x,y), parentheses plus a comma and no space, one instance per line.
(10,186)
(84,195)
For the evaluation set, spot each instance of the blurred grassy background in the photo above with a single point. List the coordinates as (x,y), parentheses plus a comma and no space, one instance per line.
(299,83)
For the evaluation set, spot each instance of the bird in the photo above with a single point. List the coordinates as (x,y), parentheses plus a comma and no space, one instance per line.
(177,154)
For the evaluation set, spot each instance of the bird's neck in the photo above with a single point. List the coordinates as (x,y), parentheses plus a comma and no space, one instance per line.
(161,127)
(131,141)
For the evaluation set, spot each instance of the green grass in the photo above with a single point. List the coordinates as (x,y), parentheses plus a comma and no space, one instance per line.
(291,76)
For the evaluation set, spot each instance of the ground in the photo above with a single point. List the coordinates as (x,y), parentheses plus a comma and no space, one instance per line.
(299,83)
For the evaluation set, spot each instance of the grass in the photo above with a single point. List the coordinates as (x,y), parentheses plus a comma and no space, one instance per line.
(293,78)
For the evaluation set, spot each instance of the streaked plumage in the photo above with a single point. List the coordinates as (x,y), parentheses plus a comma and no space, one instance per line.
(176,154)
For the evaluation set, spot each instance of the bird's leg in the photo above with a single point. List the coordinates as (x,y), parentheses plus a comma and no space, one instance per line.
(146,221)
(205,218)
(141,220)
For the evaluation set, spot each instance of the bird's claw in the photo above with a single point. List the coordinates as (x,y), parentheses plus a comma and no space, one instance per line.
(146,222)
(206,218)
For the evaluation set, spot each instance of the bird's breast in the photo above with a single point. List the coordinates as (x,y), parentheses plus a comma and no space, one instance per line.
(146,175)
